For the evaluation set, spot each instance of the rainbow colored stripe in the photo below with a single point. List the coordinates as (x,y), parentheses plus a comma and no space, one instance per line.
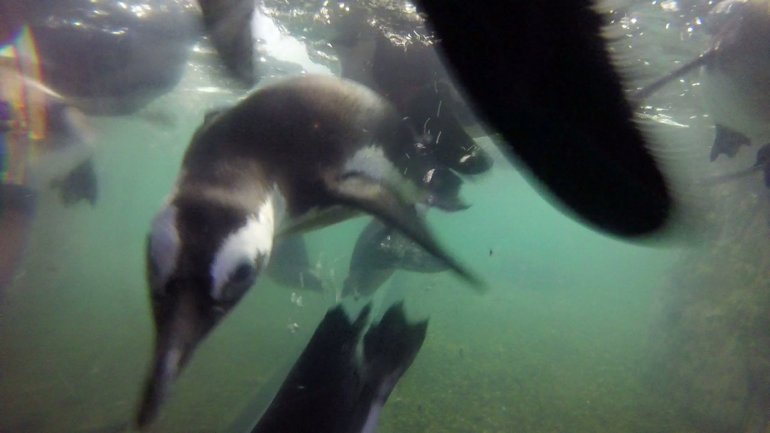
(24,144)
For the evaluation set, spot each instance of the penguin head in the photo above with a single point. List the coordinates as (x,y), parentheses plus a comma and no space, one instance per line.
(202,257)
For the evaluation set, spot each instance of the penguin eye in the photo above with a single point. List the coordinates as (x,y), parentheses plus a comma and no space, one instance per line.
(244,273)
(241,279)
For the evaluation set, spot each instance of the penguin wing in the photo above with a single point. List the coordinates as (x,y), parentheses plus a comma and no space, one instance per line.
(228,24)
(360,191)
(316,219)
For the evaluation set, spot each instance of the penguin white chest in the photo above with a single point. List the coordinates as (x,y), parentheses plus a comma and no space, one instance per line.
(372,162)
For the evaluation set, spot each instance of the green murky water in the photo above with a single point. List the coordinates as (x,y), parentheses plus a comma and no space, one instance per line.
(557,344)
(564,341)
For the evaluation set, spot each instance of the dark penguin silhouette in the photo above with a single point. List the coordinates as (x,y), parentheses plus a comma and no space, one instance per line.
(413,79)
(762,164)
(345,374)
(735,75)
(228,25)
(540,74)
(299,154)
(113,58)
(727,142)
(79,184)
(106,58)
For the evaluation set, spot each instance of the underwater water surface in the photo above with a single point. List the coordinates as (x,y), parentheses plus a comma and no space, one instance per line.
(567,338)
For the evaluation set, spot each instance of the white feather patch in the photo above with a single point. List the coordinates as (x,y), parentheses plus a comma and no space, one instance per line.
(164,244)
(255,237)
(371,160)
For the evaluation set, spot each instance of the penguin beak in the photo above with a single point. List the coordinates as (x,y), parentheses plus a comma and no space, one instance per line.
(182,319)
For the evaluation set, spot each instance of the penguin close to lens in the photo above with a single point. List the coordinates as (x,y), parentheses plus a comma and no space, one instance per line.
(296,155)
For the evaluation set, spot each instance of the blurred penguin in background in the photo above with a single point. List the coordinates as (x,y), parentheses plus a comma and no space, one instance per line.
(45,144)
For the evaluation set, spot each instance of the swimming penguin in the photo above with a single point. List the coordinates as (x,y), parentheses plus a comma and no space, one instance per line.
(413,79)
(228,25)
(380,250)
(378,253)
(128,53)
(541,65)
(736,76)
(735,82)
(343,377)
(299,154)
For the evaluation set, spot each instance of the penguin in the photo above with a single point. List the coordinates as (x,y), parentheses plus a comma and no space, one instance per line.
(295,155)
(128,53)
(540,67)
(378,253)
(344,376)
(413,79)
(735,75)
(762,163)
(736,81)
(228,24)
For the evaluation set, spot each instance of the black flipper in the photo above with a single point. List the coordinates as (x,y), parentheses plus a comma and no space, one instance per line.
(358,191)
(79,184)
(727,141)
(389,349)
(766,170)
(290,265)
(328,390)
(544,80)
(321,388)
(763,155)
(762,163)
(228,25)
(443,188)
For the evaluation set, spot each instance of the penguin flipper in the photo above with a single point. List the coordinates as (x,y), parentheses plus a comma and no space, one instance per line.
(392,344)
(319,393)
(361,192)
(228,24)
(389,348)
(727,141)
(79,184)
(316,219)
